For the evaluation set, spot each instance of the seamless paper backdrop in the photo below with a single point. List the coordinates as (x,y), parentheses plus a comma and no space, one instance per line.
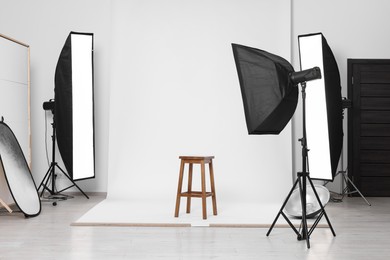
(175,91)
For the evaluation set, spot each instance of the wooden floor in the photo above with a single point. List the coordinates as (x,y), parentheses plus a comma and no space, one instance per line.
(363,232)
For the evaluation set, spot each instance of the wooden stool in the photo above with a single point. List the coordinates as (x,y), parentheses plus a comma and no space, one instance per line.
(202,160)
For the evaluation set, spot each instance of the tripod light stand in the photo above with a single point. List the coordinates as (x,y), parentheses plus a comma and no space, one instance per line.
(347,190)
(301,181)
(74,106)
(50,174)
(346,103)
(73,111)
(269,88)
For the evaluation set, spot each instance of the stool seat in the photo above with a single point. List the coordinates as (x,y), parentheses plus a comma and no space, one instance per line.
(197,159)
(191,160)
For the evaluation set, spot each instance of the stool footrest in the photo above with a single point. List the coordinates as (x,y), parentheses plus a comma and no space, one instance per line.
(197,194)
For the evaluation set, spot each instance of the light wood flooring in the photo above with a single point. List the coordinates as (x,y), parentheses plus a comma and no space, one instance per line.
(363,232)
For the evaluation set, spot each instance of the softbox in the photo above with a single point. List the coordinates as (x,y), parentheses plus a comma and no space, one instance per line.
(324,107)
(74,105)
(269,96)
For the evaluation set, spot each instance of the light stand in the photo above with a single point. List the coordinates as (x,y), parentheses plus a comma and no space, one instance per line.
(347,190)
(50,174)
(304,233)
(346,180)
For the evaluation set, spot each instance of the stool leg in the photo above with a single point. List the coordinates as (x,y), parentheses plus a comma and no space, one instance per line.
(204,208)
(212,183)
(178,196)
(189,188)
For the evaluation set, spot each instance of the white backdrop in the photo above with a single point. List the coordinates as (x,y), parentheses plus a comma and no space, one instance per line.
(175,91)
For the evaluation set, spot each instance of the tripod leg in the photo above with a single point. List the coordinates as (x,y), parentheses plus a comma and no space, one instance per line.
(44,178)
(290,224)
(47,178)
(305,234)
(315,223)
(281,209)
(45,186)
(72,181)
(361,195)
(322,207)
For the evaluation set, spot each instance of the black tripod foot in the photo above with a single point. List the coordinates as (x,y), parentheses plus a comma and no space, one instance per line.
(301,237)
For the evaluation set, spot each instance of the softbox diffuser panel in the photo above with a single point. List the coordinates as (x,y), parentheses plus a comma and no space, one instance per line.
(74,105)
(323,107)
(269,97)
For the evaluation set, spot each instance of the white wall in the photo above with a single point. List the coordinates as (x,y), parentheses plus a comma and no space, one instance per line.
(353,29)
(14,80)
(44,25)
(175,91)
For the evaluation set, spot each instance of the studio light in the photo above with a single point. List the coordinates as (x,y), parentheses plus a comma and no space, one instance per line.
(269,88)
(49,105)
(73,113)
(324,107)
(268,94)
(74,105)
